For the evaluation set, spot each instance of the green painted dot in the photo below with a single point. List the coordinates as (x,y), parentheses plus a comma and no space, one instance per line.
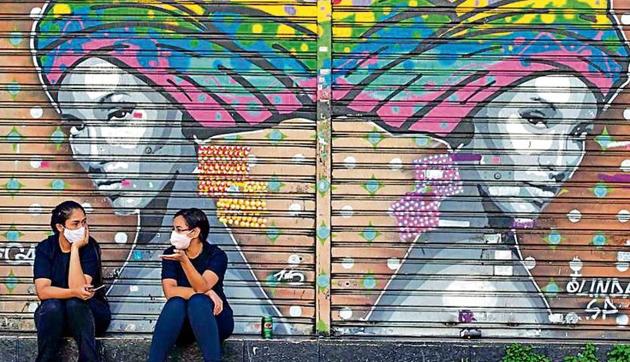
(11,281)
(273,233)
(599,239)
(58,185)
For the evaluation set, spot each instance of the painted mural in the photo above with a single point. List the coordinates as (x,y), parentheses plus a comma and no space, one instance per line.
(479,149)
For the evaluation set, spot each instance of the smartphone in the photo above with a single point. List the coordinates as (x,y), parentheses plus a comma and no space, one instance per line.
(97,288)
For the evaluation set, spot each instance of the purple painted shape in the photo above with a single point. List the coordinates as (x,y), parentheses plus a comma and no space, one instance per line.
(466,316)
(466,157)
(614,178)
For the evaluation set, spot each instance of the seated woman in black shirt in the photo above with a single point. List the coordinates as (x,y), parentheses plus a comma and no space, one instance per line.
(67,274)
(192,280)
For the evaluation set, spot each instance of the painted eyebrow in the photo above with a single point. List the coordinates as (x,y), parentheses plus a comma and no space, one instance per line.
(108,97)
(545,102)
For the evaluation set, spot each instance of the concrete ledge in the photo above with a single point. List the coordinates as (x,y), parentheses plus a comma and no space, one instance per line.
(247,349)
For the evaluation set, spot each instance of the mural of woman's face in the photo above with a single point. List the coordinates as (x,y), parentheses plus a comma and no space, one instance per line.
(531,139)
(124,133)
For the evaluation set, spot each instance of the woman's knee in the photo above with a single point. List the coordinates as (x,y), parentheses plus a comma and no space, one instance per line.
(50,309)
(200,301)
(175,304)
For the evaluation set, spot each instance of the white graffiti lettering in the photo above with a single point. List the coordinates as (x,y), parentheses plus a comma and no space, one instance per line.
(16,254)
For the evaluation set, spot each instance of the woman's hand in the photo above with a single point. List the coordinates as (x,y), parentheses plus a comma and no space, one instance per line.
(178,255)
(84,292)
(218,302)
(83,242)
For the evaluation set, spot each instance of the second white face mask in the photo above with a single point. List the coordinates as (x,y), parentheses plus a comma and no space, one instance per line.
(180,241)
(74,235)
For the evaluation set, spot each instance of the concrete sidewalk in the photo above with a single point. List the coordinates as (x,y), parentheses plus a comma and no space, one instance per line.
(245,349)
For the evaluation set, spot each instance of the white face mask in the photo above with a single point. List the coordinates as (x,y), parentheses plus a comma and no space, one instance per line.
(180,241)
(74,235)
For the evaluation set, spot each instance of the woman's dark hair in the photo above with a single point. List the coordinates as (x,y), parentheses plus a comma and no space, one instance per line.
(195,218)
(61,213)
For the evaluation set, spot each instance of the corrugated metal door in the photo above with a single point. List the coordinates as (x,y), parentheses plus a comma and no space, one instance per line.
(165,105)
(479,188)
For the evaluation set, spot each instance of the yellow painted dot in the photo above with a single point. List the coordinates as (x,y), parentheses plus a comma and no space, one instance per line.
(569,16)
(61,10)
(346,50)
(151,14)
(304,47)
(257,28)
(548,18)
(413,3)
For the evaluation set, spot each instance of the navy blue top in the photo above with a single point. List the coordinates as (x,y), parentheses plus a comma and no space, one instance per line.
(52,263)
(211,258)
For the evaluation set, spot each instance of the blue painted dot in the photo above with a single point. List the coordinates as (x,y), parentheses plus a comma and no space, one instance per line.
(323,232)
(374,138)
(422,141)
(323,185)
(369,282)
(599,239)
(137,255)
(554,238)
(58,184)
(13,184)
(15,39)
(600,190)
(369,234)
(323,281)
(552,288)
(372,186)
(13,235)
(57,136)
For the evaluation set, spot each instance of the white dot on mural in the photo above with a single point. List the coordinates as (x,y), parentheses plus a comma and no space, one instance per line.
(295,311)
(35,12)
(574,215)
(35,209)
(294,259)
(88,207)
(347,211)
(347,263)
(395,164)
(294,209)
(626,113)
(345,313)
(252,160)
(299,158)
(36,163)
(133,288)
(622,320)
(529,263)
(623,215)
(350,162)
(120,238)
(622,266)
(393,263)
(625,165)
(37,112)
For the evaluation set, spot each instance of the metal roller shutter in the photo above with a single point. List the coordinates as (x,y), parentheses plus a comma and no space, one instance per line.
(468,199)
(199,105)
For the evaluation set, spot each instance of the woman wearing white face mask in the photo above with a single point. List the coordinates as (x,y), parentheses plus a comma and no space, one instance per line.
(67,274)
(192,280)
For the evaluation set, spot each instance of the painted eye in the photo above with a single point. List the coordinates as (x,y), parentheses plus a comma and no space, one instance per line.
(535,118)
(76,128)
(122,113)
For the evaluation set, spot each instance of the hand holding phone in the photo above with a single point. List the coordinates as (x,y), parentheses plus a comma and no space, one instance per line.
(97,288)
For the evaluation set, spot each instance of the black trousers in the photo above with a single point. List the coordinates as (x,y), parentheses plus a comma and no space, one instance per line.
(83,320)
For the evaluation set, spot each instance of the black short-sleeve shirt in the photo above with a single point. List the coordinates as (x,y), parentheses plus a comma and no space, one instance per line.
(211,258)
(52,263)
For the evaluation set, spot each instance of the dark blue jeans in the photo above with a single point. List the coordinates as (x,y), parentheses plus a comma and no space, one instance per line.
(83,320)
(185,321)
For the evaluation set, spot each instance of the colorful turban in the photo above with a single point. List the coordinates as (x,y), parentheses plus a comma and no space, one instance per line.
(226,64)
(426,65)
